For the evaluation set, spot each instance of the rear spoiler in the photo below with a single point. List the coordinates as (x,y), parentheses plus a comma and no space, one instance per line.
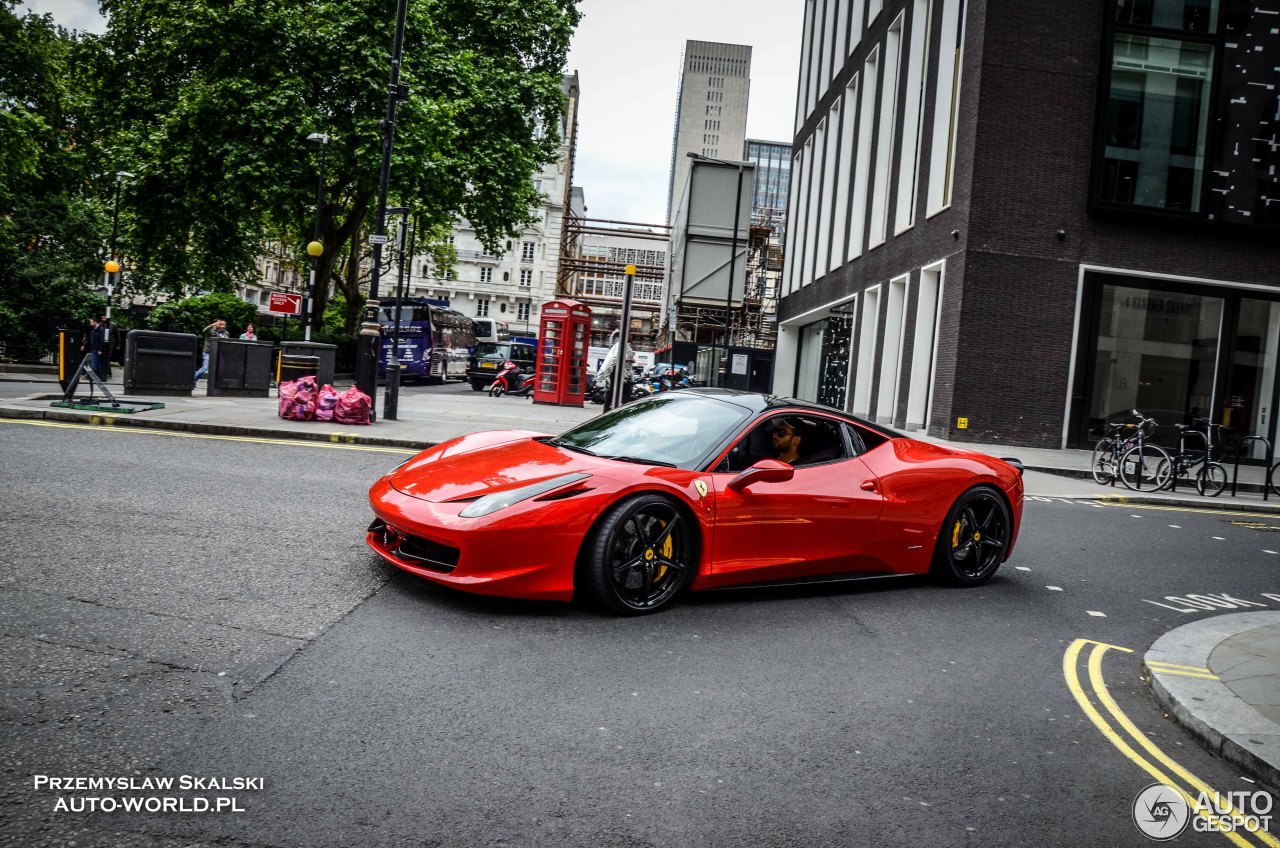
(1016,463)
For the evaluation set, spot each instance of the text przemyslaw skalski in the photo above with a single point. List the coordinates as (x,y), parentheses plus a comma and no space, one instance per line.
(182,783)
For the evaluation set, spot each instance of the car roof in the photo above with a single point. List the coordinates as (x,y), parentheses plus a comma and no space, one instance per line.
(760,403)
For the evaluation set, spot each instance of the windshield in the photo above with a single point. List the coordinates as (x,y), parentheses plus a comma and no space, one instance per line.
(493,349)
(672,429)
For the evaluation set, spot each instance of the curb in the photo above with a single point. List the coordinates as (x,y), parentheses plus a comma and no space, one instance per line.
(106,419)
(1189,503)
(1080,474)
(1216,716)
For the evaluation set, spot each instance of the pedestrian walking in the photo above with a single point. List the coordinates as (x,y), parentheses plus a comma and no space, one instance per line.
(87,343)
(216,330)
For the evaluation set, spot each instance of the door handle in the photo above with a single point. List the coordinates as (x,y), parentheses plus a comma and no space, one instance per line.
(869,486)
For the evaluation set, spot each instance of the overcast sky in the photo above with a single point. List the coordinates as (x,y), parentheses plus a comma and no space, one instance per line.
(627,55)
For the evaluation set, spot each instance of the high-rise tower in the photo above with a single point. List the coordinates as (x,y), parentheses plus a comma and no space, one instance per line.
(711,108)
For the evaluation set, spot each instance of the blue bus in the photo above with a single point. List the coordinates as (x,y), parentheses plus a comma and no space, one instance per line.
(435,341)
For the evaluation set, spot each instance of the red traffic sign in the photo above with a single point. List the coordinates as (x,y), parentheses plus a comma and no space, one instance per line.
(285,303)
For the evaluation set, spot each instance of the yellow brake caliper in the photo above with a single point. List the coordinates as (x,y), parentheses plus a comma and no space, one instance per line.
(667,548)
(955,535)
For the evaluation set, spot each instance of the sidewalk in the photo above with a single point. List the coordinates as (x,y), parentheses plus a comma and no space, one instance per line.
(1233,705)
(428,416)
(1220,678)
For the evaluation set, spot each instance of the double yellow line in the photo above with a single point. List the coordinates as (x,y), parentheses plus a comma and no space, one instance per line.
(1150,759)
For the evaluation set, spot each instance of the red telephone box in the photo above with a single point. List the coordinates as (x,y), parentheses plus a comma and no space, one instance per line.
(563,338)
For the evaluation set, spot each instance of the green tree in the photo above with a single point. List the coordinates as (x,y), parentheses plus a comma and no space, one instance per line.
(211,104)
(193,314)
(52,227)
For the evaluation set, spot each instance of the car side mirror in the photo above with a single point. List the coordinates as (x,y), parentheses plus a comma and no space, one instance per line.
(764,471)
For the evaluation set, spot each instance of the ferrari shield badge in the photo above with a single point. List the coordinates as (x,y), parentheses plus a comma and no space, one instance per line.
(701,487)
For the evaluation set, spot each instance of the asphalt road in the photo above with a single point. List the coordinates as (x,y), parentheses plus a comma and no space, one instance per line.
(178,605)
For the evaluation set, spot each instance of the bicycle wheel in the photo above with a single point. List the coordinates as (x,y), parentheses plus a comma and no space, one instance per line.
(1104,461)
(1211,480)
(1141,467)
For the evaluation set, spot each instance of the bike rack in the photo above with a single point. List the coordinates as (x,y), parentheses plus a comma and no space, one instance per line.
(1182,437)
(1235,471)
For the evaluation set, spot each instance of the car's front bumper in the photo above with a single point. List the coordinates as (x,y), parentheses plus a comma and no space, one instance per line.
(514,557)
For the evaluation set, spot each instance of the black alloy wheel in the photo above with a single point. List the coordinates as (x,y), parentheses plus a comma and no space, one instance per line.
(641,555)
(974,538)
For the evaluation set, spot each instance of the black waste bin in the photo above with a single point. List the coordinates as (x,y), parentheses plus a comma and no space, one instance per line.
(239,368)
(158,363)
(291,366)
(327,354)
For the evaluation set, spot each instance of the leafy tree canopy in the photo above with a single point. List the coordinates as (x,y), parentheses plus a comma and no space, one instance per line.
(52,228)
(193,314)
(211,103)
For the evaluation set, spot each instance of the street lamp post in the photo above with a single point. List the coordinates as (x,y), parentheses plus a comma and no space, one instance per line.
(391,400)
(370,333)
(733,257)
(316,248)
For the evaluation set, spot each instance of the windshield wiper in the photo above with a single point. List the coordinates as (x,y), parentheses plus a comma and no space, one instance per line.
(638,460)
(559,444)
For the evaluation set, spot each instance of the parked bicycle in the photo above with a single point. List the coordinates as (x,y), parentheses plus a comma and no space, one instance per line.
(1202,463)
(1117,440)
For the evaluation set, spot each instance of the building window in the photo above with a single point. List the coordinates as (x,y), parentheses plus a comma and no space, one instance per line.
(486,275)
(1199,16)
(448,273)
(482,308)
(526,277)
(522,312)
(1156,123)
(526,251)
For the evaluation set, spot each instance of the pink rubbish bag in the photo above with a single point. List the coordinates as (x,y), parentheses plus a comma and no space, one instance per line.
(353,407)
(298,399)
(326,403)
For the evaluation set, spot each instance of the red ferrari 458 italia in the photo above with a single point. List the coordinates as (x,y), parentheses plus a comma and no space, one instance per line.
(694,489)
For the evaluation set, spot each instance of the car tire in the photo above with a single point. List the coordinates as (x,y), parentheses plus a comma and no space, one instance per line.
(640,556)
(974,539)
(477,386)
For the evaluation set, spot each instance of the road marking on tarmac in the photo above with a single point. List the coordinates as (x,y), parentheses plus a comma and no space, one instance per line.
(146,431)
(1187,509)
(1154,762)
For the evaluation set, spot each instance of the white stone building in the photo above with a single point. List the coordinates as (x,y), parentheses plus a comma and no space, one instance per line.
(513,286)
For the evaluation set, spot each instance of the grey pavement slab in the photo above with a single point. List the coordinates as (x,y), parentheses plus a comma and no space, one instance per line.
(1220,678)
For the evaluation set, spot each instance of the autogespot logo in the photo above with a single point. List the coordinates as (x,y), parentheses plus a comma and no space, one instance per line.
(1160,812)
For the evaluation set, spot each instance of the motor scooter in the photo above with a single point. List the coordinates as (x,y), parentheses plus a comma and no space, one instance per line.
(509,381)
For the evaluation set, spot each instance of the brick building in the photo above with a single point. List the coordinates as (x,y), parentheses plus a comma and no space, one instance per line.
(1009,221)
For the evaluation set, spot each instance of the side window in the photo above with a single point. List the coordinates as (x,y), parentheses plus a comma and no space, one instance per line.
(801,440)
(864,439)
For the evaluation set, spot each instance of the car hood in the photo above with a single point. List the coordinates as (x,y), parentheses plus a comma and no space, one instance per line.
(483,464)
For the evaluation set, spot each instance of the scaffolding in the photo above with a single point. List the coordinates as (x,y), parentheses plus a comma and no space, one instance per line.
(575,268)
(753,322)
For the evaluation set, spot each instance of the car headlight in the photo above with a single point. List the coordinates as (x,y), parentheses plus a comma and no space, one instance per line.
(501,500)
